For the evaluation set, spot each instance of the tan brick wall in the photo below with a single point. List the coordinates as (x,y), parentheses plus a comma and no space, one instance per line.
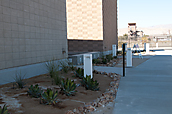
(92,20)
(110,36)
(31,31)
(84,19)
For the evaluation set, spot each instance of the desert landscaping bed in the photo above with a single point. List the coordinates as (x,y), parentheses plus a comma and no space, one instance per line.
(84,101)
(107,60)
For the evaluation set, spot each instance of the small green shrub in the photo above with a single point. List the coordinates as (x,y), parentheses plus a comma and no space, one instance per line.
(68,87)
(4,110)
(72,68)
(34,91)
(96,61)
(65,67)
(119,52)
(49,97)
(109,57)
(19,80)
(52,67)
(104,61)
(115,57)
(57,78)
(89,83)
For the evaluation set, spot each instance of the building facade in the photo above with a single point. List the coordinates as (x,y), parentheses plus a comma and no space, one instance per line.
(91,25)
(31,32)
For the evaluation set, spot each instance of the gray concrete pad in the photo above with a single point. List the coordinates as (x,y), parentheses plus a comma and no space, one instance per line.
(147,88)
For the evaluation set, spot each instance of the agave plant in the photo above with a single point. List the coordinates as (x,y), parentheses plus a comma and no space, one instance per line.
(34,91)
(52,67)
(79,73)
(89,83)
(49,97)
(68,87)
(19,80)
(3,110)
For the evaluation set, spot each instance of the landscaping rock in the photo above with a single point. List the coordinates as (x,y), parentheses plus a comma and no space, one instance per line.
(90,107)
(70,112)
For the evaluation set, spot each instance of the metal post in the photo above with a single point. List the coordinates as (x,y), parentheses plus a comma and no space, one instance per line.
(123,59)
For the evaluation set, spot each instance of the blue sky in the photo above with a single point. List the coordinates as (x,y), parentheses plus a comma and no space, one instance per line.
(145,13)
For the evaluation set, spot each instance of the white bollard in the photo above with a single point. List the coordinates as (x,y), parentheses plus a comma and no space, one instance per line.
(129,57)
(88,65)
(156,45)
(147,48)
(114,50)
(125,46)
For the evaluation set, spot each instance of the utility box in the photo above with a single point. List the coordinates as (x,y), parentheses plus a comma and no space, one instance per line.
(88,65)
(77,59)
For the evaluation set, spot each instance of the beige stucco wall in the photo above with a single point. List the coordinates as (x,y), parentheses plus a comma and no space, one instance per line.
(110,35)
(32,31)
(84,19)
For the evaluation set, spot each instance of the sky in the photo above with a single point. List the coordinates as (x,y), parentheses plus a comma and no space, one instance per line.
(145,13)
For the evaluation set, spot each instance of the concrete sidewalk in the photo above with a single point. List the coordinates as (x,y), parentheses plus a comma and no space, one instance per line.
(147,88)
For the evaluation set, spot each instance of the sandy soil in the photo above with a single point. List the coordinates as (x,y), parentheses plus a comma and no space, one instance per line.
(19,102)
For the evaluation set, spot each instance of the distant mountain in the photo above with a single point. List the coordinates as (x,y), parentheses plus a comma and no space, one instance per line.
(153,30)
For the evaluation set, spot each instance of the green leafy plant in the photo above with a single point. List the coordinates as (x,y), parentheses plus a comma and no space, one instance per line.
(72,67)
(89,83)
(79,73)
(34,91)
(115,57)
(49,97)
(68,87)
(109,57)
(52,67)
(119,52)
(57,78)
(4,110)
(104,61)
(64,65)
(96,61)
(19,80)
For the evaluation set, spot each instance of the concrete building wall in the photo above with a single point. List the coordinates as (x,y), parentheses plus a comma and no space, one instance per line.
(94,20)
(110,35)
(32,31)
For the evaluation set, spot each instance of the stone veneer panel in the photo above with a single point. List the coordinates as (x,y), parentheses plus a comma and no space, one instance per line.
(84,19)
(85,45)
(32,31)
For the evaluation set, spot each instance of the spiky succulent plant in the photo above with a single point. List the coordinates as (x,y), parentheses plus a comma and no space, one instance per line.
(89,83)
(68,87)
(4,110)
(79,73)
(34,91)
(49,97)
